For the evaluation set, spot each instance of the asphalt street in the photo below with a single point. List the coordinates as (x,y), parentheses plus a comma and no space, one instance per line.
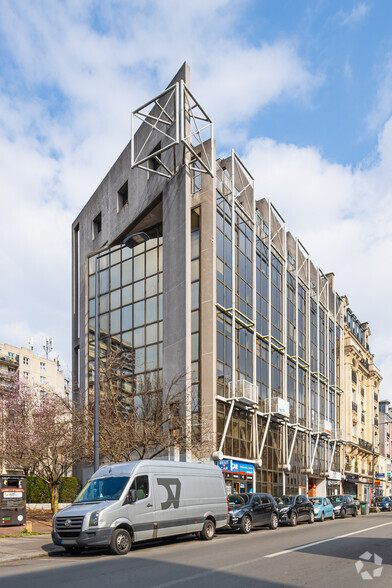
(346,552)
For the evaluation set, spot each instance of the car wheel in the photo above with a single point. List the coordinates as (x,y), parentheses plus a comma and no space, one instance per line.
(322,518)
(354,512)
(343,513)
(311,518)
(293,519)
(208,531)
(246,525)
(273,524)
(333,516)
(121,542)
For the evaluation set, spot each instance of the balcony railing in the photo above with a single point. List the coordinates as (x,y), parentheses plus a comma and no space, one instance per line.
(365,444)
(354,406)
(362,418)
(362,392)
(376,422)
(376,397)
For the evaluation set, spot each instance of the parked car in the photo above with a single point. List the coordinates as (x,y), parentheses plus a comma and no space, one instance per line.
(250,510)
(343,505)
(294,509)
(323,508)
(135,501)
(383,503)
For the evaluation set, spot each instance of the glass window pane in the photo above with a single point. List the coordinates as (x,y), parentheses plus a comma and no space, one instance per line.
(104,323)
(151,334)
(151,262)
(115,299)
(194,321)
(115,317)
(104,281)
(127,272)
(127,337)
(160,307)
(152,357)
(195,295)
(151,309)
(115,277)
(160,258)
(127,295)
(139,360)
(91,286)
(195,347)
(138,337)
(104,303)
(195,270)
(104,262)
(91,308)
(152,286)
(160,331)
(138,291)
(115,256)
(138,267)
(160,283)
(127,318)
(138,313)
(91,265)
(194,244)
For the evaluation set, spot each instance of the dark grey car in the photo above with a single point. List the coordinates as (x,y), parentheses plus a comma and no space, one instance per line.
(343,505)
(250,510)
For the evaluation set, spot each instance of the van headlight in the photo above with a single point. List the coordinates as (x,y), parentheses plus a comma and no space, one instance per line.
(94,518)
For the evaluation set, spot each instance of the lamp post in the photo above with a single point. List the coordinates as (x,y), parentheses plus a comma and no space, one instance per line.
(130,242)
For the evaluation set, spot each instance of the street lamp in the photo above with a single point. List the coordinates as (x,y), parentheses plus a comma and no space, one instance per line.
(131,241)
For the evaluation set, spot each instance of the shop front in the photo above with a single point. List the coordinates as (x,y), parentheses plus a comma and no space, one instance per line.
(350,484)
(334,483)
(239,475)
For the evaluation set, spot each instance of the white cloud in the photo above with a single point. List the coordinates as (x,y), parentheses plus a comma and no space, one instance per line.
(354,17)
(343,216)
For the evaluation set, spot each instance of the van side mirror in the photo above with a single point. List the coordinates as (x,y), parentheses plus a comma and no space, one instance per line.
(131,497)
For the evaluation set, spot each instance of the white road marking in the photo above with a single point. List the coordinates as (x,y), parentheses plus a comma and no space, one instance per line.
(325,540)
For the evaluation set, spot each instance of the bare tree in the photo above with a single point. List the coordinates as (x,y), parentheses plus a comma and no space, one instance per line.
(143,421)
(42,435)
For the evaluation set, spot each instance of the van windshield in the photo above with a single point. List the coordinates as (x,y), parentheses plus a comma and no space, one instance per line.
(102,489)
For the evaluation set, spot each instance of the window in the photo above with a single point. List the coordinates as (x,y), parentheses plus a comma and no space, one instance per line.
(140,484)
(122,196)
(153,163)
(97,225)
(42,365)
(196,176)
(25,375)
(25,361)
(42,379)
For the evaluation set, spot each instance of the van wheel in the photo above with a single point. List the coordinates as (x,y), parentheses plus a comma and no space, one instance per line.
(246,525)
(208,531)
(121,542)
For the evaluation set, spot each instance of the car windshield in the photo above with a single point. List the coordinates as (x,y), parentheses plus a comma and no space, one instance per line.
(284,500)
(238,499)
(336,499)
(102,489)
(380,498)
(317,501)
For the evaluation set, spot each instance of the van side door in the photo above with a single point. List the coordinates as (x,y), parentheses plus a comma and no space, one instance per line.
(172,514)
(141,513)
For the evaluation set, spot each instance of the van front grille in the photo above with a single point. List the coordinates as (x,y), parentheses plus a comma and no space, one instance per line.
(69,526)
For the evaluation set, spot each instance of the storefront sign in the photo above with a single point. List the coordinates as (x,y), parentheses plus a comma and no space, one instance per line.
(334,475)
(351,477)
(380,475)
(389,474)
(236,467)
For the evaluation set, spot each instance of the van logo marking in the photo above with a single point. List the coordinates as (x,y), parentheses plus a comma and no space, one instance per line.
(172,498)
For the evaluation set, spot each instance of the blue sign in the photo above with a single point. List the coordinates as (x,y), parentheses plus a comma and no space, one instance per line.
(236,467)
(380,475)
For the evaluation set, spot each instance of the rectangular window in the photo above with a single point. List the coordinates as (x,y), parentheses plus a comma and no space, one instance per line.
(25,375)
(196,176)
(97,225)
(122,197)
(42,379)
(42,365)
(25,361)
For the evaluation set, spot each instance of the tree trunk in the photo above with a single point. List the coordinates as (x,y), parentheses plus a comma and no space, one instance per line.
(54,498)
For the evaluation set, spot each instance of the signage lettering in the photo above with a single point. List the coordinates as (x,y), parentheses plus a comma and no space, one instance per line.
(173,498)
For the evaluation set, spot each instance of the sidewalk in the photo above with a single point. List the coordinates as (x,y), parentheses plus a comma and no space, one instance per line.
(18,548)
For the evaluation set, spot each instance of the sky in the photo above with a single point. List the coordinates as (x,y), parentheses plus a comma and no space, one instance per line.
(302,90)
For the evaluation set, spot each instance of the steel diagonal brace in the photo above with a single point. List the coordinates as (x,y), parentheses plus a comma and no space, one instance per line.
(314,451)
(332,456)
(226,426)
(292,446)
(264,436)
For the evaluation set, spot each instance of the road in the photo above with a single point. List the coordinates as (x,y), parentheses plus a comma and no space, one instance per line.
(323,554)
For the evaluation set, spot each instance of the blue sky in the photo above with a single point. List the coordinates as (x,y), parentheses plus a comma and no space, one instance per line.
(301,90)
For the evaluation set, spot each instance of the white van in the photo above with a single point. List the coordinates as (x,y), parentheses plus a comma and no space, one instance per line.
(135,501)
